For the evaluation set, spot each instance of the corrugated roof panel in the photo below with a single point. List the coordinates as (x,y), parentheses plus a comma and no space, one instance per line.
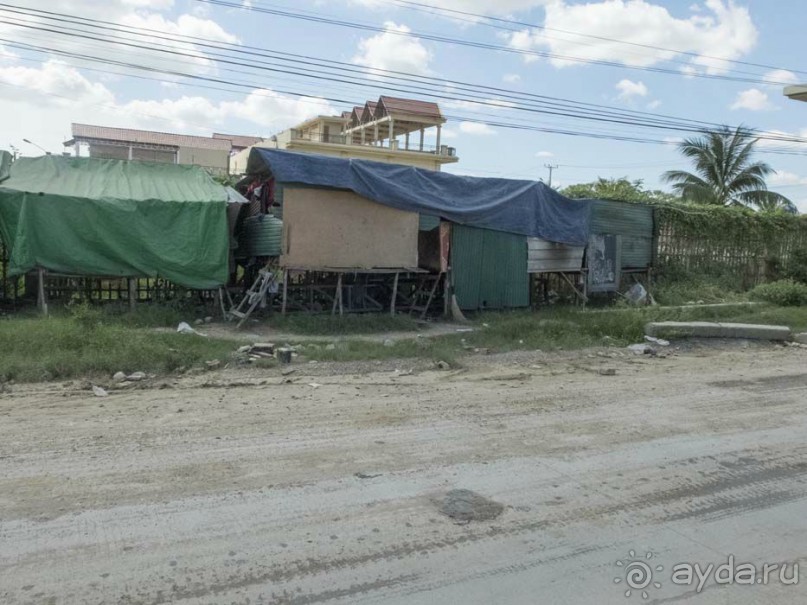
(634,222)
(148,137)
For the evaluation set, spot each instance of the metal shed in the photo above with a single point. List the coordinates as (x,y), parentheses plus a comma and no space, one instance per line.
(489,268)
(634,223)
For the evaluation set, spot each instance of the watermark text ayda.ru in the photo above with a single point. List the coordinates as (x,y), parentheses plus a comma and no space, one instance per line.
(644,576)
(731,572)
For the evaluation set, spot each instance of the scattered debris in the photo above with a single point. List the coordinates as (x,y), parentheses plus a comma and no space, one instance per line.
(136,376)
(314,385)
(263,347)
(637,295)
(185,328)
(288,371)
(443,365)
(464,506)
(607,372)
(119,377)
(801,338)
(642,349)
(99,392)
(284,355)
(330,347)
(658,341)
(198,322)
(366,475)
(213,364)
(209,319)
(389,342)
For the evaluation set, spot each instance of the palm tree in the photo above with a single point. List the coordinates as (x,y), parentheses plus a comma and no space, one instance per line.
(725,173)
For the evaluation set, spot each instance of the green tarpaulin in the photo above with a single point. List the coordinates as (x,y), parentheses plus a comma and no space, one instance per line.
(110,218)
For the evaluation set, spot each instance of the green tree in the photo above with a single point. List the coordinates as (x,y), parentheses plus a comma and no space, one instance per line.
(621,189)
(725,173)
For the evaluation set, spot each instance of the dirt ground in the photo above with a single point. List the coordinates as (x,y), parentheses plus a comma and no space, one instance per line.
(329,485)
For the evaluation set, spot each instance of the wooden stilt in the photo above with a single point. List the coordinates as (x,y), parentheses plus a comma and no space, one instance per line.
(132,283)
(337,296)
(394,295)
(42,299)
(285,291)
(341,306)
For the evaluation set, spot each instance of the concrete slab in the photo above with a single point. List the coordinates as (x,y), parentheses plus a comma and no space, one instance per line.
(705,329)
(801,338)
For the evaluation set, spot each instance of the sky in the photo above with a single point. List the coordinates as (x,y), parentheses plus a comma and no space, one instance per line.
(660,57)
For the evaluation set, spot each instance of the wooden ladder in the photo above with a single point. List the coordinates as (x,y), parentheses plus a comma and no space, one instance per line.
(253,297)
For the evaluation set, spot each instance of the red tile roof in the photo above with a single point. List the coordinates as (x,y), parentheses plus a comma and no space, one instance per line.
(411,107)
(129,135)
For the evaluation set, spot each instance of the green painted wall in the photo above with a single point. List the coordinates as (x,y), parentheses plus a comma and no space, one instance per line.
(634,222)
(489,268)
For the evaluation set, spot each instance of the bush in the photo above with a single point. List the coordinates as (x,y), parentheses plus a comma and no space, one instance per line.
(785,292)
(797,266)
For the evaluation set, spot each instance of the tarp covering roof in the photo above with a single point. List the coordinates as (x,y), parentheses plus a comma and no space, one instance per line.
(524,207)
(111,218)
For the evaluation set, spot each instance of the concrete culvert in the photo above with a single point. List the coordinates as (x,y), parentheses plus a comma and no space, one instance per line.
(465,506)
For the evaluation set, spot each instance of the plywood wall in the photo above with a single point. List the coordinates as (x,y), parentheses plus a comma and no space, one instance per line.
(339,229)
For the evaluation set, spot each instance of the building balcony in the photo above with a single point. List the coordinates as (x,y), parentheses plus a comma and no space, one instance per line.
(353,140)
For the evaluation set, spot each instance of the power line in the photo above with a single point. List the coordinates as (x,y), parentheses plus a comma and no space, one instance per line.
(579,111)
(251,85)
(476,44)
(420,6)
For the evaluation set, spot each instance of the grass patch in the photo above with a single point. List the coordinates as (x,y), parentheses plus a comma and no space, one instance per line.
(90,342)
(552,330)
(68,347)
(300,323)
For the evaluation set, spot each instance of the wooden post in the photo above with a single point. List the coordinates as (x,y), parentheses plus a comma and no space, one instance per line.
(285,291)
(337,296)
(42,299)
(394,295)
(439,128)
(391,131)
(406,145)
(132,283)
(341,307)
(421,139)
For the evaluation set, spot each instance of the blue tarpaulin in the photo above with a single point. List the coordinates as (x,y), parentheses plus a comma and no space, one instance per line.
(523,207)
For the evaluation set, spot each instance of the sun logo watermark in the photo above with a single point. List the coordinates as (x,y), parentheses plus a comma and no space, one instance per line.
(637,574)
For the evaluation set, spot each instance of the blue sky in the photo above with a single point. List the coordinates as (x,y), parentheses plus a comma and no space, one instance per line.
(42,93)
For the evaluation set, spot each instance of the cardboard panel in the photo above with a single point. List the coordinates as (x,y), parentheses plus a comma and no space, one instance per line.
(339,229)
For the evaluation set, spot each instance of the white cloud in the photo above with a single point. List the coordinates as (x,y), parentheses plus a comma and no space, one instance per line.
(544,154)
(511,78)
(391,51)
(132,13)
(782,177)
(476,128)
(724,30)
(629,89)
(47,98)
(781,77)
(753,99)
(654,104)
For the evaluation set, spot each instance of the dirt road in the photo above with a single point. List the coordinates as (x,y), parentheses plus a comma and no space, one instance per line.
(247,488)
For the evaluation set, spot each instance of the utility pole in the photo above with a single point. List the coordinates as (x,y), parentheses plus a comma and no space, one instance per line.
(551,168)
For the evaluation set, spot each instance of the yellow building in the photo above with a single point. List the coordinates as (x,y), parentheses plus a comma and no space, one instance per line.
(391,130)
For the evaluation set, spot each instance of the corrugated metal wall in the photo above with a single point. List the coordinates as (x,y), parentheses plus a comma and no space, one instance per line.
(551,257)
(489,268)
(634,222)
